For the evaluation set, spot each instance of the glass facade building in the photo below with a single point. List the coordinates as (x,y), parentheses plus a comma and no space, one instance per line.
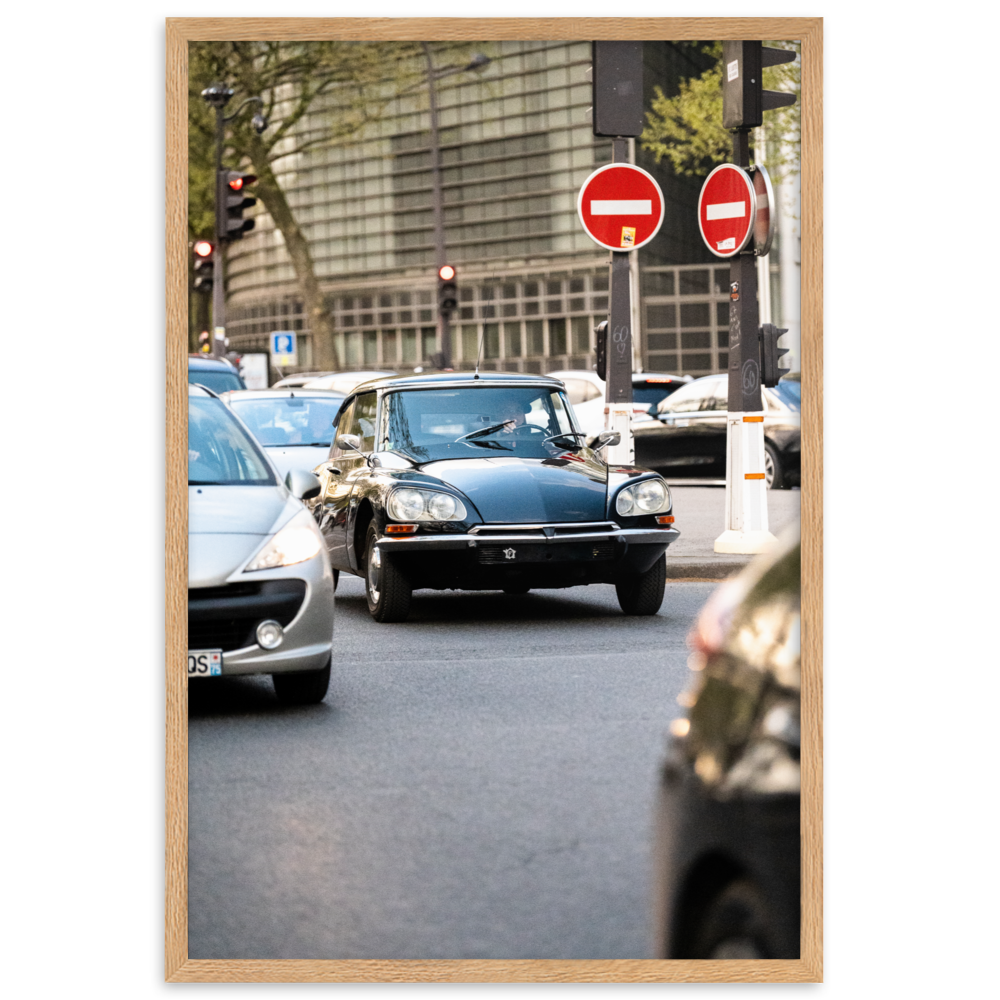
(516,144)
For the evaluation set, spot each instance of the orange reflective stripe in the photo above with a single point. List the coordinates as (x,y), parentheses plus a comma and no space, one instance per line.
(754,475)
(753,420)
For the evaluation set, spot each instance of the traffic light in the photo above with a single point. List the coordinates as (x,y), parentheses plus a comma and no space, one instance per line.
(744,99)
(447,290)
(204,265)
(602,350)
(617,88)
(771,354)
(231,201)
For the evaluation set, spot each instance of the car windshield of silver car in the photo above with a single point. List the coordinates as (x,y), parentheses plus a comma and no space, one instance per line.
(220,452)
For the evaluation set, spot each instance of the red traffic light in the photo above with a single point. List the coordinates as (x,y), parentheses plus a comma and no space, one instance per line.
(240,181)
(446,272)
(203,248)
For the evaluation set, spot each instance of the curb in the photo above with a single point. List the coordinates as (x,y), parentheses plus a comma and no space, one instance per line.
(703,569)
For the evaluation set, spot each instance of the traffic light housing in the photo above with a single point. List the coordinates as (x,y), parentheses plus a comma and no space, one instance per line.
(617,88)
(602,350)
(744,99)
(771,354)
(231,201)
(204,265)
(447,290)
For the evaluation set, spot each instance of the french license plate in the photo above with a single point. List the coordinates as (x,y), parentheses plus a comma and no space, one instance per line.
(204,663)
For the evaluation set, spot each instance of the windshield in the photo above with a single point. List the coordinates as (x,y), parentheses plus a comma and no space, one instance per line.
(289,421)
(220,452)
(433,424)
(789,391)
(217,381)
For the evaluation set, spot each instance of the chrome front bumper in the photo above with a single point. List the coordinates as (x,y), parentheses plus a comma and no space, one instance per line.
(487,534)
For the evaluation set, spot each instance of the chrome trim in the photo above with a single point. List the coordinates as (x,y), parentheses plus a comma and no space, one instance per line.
(634,536)
(577,526)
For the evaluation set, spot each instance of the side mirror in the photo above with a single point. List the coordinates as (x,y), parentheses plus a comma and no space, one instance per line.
(606,438)
(349,442)
(303,485)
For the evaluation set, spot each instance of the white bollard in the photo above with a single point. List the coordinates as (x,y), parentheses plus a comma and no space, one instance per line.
(746,492)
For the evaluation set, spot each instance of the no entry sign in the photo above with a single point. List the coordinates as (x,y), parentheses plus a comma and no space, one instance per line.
(727,209)
(620,206)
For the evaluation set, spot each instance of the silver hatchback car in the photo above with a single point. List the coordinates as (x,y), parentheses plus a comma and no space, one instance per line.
(260,588)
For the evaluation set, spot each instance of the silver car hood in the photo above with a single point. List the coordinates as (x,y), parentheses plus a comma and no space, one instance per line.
(227,524)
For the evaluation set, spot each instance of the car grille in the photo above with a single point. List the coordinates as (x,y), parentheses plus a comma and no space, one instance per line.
(554,530)
(226,617)
(530,552)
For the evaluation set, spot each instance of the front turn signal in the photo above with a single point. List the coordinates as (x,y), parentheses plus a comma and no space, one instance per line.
(665,519)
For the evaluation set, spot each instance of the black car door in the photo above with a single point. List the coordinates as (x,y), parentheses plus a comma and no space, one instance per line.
(335,491)
(671,445)
(708,426)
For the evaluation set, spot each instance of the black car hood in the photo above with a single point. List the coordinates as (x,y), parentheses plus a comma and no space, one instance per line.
(521,490)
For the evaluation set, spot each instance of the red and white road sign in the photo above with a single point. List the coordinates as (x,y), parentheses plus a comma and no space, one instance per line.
(620,206)
(727,209)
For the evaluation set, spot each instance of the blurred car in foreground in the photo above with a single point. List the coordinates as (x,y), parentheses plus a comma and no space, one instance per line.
(295,426)
(456,481)
(260,588)
(344,382)
(216,374)
(688,437)
(727,827)
(585,390)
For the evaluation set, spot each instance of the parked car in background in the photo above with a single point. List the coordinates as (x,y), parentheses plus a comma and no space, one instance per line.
(585,390)
(728,851)
(454,481)
(344,382)
(688,438)
(260,588)
(216,374)
(299,380)
(295,426)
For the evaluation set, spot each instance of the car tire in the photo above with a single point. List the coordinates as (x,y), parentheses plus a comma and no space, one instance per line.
(516,589)
(642,594)
(774,473)
(387,590)
(306,687)
(735,925)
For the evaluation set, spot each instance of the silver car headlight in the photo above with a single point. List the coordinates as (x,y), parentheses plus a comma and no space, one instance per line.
(297,541)
(651,496)
(424,505)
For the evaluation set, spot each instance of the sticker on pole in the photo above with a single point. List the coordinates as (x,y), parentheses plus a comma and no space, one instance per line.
(727,209)
(620,206)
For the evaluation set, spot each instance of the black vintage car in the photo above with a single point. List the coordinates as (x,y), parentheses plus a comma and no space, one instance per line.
(688,437)
(484,482)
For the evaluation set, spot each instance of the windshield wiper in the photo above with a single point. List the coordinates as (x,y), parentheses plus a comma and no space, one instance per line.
(484,431)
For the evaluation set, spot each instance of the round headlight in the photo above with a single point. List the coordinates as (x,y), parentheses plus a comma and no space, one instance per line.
(650,496)
(406,505)
(441,506)
(269,634)
(624,503)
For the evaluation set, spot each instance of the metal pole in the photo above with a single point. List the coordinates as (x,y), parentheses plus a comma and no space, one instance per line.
(218,270)
(444,318)
(618,389)
(746,495)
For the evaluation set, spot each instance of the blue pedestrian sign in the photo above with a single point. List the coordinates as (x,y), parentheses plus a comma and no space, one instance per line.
(283,348)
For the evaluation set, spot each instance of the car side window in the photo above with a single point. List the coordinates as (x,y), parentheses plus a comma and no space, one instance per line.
(363,423)
(719,399)
(343,427)
(576,390)
(686,400)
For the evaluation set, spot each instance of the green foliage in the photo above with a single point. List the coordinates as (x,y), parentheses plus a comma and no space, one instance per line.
(686,129)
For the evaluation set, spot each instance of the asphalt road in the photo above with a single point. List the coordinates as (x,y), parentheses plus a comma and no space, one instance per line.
(478,784)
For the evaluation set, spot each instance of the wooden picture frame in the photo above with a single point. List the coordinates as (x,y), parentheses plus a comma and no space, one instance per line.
(809,967)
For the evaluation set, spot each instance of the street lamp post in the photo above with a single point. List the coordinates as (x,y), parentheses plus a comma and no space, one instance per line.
(437,202)
(218,96)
